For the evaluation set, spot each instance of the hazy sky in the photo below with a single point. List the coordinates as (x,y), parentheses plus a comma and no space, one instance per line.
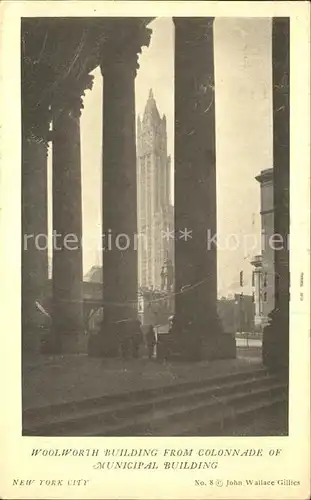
(243,132)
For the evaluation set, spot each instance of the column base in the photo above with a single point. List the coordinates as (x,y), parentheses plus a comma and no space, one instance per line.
(197,345)
(103,346)
(72,343)
(220,346)
(275,345)
(35,325)
(116,338)
(31,338)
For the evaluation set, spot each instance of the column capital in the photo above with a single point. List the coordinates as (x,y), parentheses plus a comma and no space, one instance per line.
(36,82)
(119,51)
(68,95)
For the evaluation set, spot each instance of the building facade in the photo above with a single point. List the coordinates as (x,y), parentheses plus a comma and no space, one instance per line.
(264,265)
(155,212)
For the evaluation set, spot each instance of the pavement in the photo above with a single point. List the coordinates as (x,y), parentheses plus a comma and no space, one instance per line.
(58,379)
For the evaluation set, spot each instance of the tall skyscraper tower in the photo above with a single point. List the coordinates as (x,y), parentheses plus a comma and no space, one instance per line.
(155,212)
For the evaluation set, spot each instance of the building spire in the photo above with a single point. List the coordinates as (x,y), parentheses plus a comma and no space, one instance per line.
(151,110)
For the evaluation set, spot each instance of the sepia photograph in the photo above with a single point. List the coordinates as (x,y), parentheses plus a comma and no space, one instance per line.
(155,251)
(155,226)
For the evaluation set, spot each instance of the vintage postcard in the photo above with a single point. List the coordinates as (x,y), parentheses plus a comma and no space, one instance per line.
(155,254)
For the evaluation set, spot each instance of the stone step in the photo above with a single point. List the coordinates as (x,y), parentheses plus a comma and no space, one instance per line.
(201,415)
(111,413)
(32,416)
(178,400)
(228,423)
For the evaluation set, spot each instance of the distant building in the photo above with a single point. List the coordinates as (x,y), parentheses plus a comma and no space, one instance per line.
(155,212)
(93,284)
(155,307)
(94,274)
(237,313)
(263,274)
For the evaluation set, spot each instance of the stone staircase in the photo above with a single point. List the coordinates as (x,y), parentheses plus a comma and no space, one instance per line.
(205,408)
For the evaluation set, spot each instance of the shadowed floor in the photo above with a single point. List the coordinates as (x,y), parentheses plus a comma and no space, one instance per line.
(58,379)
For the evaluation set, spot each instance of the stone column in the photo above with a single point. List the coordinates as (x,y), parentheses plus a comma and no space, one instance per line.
(195,174)
(276,335)
(68,322)
(257,276)
(119,66)
(35,130)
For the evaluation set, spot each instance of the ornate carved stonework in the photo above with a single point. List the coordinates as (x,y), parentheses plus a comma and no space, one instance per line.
(119,51)
(68,95)
(37,80)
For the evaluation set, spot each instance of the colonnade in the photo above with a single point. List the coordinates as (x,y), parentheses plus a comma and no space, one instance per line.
(195,181)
